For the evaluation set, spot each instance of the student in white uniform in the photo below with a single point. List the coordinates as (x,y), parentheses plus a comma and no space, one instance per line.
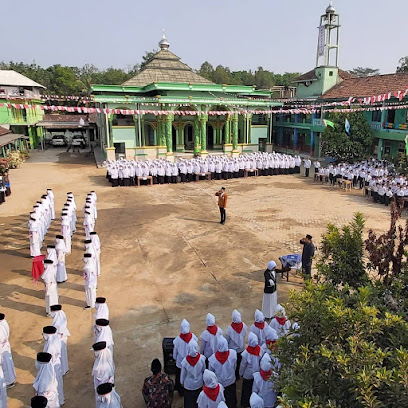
(256,401)
(280,323)
(107,397)
(51,288)
(209,337)
(59,321)
(258,327)
(35,246)
(7,363)
(191,378)
(212,393)
(251,358)
(90,280)
(96,243)
(101,308)
(45,383)
(223,363)
(103,332)
(180,351)
(103,370)
(263,385)
(53,346)
(236,334)
(61,250)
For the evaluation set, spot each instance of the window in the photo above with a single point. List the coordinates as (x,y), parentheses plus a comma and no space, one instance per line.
(259,119)
(401,147)
(301,117)
(391,116)
(123,120)
(387,147)
(376,116)
(330,73)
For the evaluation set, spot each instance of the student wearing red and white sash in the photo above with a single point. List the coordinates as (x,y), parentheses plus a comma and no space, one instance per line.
(280,323)
(263,382)
(209,337)
(212,393)
(259,326)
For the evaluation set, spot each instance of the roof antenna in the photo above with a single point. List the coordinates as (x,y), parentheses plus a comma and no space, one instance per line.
(163,44)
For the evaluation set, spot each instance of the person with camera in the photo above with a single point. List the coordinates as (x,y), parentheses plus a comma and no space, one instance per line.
(307,255)
(222,203)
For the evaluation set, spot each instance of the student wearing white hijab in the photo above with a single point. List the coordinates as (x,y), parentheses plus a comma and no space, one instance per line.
(51,288)
(258,328)
(66,232)
(212,393)
(180,351)
(59,321)
(191,378)
(45,383)
(53,346)
(280,323)
(3,387)
(223,363)
(90,280)
(107,397)
(256,401)
(103,332)
(236,334)
(52,254)
(209,337)
(96,243)
(89,223)
(7,363)
(263,385)
(101,309)
(50,195)
(271,339)
(270,296)
(61,250)
(103,370)
(34,235)
(249,365)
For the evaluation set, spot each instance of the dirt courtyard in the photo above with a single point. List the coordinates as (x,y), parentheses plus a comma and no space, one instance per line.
(165,257)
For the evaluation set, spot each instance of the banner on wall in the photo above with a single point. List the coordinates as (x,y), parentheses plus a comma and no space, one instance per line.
(322,39)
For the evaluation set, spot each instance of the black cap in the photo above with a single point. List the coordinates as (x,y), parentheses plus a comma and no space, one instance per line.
(156,366)
(86,212)
(43,196)
(99,346)
(59,237)
(69,200)
(39,202)
(92,191)
(87,255)
(309,236)
(49,189)
(92,233)
(49,329)
(2,316)
(102,322)
(51,246)
(100,300)
(39,402)
(104,389)
(66,205)
(87,241)
(33,219)
(55,308)
(44,357)
(70,192)
(48,261)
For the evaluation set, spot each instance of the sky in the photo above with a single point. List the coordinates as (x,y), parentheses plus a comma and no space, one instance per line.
(279,35)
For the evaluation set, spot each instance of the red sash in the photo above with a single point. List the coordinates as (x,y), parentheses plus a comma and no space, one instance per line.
(266,374)
(212,393)
(212,329)
(222,357)
(259,325)
(237,327)
(281,320)
(186,337)
(193,360)
(255,351)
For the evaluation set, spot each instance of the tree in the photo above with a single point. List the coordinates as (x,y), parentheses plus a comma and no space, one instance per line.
(264,79)
(147,58)
(338,144)
(403,65)
(221,75)
(342,260)
(364,72)
(351,350)
(206,70)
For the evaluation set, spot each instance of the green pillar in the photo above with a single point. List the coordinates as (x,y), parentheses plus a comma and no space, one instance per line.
(235,131)
(181,134)
(155,136)
(142,124)
(203,126)
(227,131)
(380,147)
(250,128)
(197,144)
(136,128)
(161,131)
(110,121)
(218,133)
(169,134)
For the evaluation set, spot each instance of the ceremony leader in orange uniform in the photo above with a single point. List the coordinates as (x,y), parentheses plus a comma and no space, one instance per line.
(222,203)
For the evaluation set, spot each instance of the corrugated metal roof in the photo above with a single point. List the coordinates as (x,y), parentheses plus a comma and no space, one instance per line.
(10,137)
(13,78)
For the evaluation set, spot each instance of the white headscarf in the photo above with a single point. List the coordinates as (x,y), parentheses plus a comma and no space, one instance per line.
(53,346)
(184,327)
(252,339)
(59,320)
(45,379)
(222,344)
(259,316)
(271,265)
(192,348)
(103,365)
(104,333)
(210,379)
(60,245)
(265,363)
(210,320)
(111,400)
(236,316)
(52,254)
(101,311)
(256,401)
(270,333)
(280,311)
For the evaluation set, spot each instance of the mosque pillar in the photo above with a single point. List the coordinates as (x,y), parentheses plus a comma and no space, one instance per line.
(227,131)
(168,132)
(161,131)
(203,126)
(197,144)
(235,119)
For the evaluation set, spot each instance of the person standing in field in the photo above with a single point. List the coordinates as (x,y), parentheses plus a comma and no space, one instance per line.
(222,204)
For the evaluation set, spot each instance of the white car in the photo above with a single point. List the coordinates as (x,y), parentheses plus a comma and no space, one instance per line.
(58,140)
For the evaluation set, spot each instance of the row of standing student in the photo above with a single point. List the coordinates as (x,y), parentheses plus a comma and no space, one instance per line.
(229,360)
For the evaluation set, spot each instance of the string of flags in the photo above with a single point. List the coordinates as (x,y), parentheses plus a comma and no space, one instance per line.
(79,109)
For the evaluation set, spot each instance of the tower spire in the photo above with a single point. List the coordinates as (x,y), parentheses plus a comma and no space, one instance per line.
(163,44)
